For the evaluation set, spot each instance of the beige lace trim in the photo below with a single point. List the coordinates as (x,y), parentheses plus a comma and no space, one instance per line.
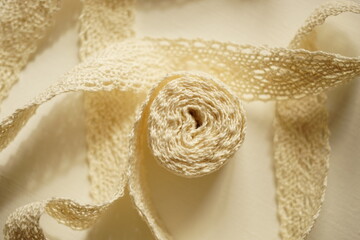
(108,120)
(22,24)
(196,107)
(301,142)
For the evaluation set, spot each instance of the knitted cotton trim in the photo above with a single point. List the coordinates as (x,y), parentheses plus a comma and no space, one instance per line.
(191,118)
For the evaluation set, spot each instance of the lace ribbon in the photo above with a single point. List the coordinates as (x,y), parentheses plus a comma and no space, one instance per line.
(22,24)
(301,142)
(191,121)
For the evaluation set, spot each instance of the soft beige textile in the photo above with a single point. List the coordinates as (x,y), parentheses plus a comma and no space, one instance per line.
(22,24)
(130,68)
(108,129)
(301,143)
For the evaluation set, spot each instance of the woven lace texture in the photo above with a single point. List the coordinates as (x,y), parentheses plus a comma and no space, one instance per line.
(301,143)
(180,100)
(108,120)
(22,24)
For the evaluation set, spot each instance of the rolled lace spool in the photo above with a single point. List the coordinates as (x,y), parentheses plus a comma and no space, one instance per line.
(195,124)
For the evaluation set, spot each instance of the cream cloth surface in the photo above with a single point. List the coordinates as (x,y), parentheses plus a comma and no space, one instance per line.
(165,221)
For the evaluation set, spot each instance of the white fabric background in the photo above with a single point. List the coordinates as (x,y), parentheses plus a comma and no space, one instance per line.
(48,157)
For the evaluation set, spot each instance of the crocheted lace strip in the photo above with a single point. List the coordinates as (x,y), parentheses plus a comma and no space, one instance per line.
(252,73)
(24,223)
(103,22)
(22,24)
(109,116)
(301,143)
(133,66)
(137,65)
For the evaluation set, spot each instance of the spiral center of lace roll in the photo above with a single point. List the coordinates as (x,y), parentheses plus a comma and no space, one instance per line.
(195,124)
